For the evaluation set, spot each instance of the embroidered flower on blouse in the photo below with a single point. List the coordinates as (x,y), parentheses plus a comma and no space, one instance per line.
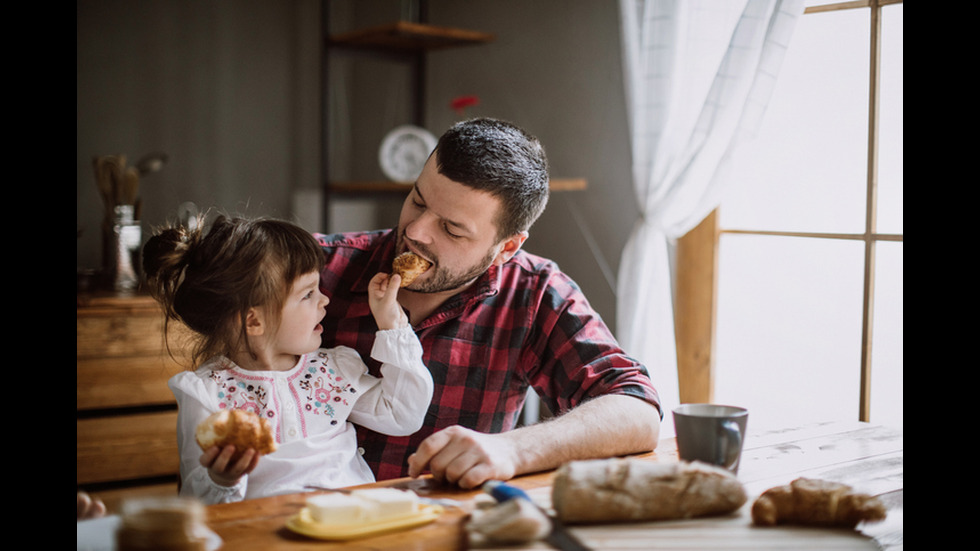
(235,394)
(325,387)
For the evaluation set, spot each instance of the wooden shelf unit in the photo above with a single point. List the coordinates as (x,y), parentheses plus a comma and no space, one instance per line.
(408,41)
(408,36)
(367,187)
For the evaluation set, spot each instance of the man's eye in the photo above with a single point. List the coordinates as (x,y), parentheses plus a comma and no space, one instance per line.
(450,233)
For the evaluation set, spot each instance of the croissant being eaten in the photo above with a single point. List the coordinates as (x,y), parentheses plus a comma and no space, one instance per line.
(409,266)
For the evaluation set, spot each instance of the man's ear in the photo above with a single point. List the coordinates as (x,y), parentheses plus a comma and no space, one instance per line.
(255,322)
(509,247)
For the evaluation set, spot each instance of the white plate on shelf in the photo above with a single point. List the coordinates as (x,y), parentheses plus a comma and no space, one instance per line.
(403,153)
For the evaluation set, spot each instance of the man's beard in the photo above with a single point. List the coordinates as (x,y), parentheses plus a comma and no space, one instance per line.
(438,279)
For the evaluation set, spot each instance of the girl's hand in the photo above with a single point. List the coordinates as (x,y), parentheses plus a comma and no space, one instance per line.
(383,298)
(220,468)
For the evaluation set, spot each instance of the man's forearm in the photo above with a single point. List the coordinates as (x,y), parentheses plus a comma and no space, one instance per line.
(606,426)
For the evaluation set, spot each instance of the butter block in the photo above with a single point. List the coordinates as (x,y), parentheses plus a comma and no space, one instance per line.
(362,506)
(389,502)
(336,508)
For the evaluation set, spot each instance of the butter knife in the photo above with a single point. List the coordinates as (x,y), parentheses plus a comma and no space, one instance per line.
(560,536)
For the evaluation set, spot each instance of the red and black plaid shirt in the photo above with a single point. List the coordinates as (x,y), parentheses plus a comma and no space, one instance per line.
(522,324)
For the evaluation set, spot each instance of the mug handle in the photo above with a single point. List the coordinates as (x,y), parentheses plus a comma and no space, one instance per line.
(728,455)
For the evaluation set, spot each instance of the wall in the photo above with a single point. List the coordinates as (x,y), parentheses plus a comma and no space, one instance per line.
(554,68)
(230,90)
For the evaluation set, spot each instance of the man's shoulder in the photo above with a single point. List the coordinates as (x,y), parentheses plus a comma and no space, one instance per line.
(527,270)
(532,265)
(363,240)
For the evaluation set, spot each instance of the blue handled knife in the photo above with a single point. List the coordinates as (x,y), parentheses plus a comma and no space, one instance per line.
(559,537)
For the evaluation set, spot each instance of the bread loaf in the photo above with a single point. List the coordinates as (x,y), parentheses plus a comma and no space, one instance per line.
(815,502)
(513,521)
(611,490)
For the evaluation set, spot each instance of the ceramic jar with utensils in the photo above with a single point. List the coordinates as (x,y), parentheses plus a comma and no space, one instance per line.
(118,186)
(163,523)
(122,249)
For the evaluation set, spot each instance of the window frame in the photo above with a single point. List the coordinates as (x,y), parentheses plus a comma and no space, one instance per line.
(695,306)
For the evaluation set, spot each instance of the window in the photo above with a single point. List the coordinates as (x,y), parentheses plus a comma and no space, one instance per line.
(809,305)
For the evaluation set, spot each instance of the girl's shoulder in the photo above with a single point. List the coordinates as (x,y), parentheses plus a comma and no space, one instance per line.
(340,359)
(204,373)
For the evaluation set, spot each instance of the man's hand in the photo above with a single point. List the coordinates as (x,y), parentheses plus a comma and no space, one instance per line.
(220,468)
(462,456)
(465,457)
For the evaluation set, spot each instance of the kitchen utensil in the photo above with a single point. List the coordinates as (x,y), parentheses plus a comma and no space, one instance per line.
(559,538)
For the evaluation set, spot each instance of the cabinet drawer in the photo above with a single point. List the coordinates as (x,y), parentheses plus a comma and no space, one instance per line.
(126,447)
(102,383)
(121,336)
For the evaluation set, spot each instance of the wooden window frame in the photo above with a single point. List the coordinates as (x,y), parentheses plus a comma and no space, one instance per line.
(695,306)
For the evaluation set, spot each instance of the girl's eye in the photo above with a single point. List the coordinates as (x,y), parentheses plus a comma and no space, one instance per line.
(418,204)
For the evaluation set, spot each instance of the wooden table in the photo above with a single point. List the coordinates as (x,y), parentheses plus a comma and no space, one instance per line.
(867,457)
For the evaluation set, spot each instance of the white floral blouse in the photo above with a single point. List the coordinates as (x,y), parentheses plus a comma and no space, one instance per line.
(310,408)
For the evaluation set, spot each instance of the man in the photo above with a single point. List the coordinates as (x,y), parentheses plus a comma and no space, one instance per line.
(492,319)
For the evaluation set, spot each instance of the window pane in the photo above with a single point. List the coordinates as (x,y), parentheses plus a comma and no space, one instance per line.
(789,328)
(807,169)
(888,340)
(891,133)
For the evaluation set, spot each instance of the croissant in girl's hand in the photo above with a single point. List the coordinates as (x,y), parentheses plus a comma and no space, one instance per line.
(816,503)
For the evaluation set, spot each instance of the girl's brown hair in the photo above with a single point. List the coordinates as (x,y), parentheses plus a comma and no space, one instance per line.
(208,280)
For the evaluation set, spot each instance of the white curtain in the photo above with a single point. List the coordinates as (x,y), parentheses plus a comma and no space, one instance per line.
(698,75)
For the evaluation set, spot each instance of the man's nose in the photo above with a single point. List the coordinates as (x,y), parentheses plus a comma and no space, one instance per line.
(422,228)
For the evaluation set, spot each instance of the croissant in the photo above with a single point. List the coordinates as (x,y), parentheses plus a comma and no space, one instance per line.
(409,266)
(816,503)
(242,429)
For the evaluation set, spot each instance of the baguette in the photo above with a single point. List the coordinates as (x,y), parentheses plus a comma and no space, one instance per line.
(813,502)
(611,490)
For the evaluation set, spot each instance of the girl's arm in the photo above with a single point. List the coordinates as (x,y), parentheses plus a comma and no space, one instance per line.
(396,403)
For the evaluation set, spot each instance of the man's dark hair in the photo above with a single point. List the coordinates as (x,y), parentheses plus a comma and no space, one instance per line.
(502,159)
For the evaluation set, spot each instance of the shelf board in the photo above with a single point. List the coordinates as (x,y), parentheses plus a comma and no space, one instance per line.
(403,35)
(372,187)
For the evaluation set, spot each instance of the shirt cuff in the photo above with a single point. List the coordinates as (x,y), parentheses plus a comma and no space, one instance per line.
(400,347)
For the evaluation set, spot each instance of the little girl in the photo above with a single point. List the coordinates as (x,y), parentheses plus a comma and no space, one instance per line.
(249,290)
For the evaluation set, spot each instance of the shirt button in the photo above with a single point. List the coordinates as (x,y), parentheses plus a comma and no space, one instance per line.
(360,451)
(292,432)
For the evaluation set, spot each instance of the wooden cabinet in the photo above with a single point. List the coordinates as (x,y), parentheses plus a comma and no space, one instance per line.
(126,416)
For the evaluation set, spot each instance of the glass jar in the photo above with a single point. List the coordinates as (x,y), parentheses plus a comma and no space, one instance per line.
(162,524)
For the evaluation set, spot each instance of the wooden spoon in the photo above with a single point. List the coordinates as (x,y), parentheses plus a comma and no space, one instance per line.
(130,185)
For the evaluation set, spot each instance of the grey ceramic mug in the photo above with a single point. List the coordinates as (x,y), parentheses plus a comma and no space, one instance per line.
(711,433)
